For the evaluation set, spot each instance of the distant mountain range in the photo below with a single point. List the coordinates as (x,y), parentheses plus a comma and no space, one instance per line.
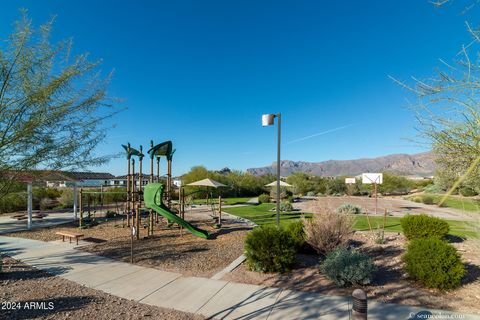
(420,164)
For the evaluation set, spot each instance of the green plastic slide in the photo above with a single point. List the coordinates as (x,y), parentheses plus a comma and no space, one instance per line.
(153,200)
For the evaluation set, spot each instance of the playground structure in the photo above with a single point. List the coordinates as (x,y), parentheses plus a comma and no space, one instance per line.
(154,198)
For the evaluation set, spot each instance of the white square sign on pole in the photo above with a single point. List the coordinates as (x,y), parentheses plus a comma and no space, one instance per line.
(350,180)
(372,178)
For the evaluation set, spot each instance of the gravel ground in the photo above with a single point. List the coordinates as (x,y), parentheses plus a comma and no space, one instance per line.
(396,206)
(391,284)
(62,299)
(169,249)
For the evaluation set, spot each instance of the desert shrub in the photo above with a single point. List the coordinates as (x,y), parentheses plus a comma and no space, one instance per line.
(423,226)
(286,206)
(264,198)
(349,208)
(13,202)
(48,204)
(295,229)
(66,198)
(346,267)
(467,192)
(269,249)
(434,263)
(328,230)
(284,193)
(311,194)
(433,188)
(417,199)
(320,194)
(428,199)
(291,199)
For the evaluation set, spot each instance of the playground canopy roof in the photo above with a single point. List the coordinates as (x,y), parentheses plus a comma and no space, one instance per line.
(132,151)
(282,184)
(207,183)
(162,149)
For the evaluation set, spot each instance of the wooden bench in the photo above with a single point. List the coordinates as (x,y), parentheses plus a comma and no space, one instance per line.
(70,235)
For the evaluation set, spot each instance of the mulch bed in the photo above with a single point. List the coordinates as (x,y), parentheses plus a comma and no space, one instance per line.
(170,249)
(38,295)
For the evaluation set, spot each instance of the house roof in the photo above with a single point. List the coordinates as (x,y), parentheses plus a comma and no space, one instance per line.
(145,176)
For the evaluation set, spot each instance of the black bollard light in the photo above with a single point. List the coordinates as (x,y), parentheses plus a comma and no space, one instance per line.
(359,307)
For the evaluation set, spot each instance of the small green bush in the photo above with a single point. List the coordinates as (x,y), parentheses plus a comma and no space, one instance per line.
(264,198)
(13,202)
(291,199)
(423,226)
(467,192)
(433,188)
(349,208)
(346,267)
(311,194)
(269,249)
(66,198)
(286,206)
(427,199)
(434,263)
(295,229)
(417,199)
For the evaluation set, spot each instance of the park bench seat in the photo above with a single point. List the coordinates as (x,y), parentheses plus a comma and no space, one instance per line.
(70,235)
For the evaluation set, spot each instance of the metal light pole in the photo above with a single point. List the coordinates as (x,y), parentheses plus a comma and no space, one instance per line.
(268,120)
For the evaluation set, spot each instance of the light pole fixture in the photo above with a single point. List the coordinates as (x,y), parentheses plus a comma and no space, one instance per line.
(268,120)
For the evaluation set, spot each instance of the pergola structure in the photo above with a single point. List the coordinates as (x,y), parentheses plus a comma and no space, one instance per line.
(42,176)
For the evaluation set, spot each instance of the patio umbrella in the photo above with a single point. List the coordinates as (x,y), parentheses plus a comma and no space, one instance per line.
(213,184)
(207,183)
(274,184)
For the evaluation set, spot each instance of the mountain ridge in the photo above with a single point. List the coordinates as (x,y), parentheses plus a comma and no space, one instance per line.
(419,164)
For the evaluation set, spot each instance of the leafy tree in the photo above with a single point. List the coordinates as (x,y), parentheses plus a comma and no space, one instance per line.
(52,105)
(301,183)
(448,113)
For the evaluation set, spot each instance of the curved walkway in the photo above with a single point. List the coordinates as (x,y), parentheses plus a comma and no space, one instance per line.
(208,297)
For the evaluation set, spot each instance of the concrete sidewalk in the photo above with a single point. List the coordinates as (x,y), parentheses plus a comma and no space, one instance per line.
(208,297)
(8,224)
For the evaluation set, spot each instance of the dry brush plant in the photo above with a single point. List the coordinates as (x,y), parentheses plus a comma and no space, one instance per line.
(327,230)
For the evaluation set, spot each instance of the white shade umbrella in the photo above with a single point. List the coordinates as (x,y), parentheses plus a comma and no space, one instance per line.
(207,183)
(274,184)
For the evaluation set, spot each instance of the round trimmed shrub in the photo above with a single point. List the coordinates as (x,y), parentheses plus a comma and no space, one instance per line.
(417,199)
(286,206)
(467,192)
(434,263)
(349,208)
(264,198)
(427,199)
(423,226)
(347,267)
(269,249)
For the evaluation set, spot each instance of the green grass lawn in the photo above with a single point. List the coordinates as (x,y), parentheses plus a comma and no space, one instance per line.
(227,201)
(262,215)
(466,204)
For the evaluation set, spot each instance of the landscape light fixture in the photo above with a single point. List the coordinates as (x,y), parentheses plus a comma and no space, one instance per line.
(268,120)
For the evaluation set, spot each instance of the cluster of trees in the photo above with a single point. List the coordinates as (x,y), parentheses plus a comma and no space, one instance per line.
(392,184)
(241,184)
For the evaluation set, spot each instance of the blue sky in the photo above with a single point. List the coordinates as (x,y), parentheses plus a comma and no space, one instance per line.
(201,73)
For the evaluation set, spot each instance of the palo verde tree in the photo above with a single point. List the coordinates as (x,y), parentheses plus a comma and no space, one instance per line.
(448,112)
(52,104)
